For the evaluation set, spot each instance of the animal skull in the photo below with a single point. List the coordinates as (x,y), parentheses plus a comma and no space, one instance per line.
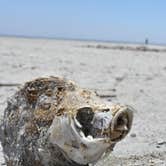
(52,121)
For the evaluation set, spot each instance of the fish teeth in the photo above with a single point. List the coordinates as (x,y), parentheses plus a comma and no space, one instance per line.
(126,128)
(122,128)
(77,123)
(82,134)
(90,137)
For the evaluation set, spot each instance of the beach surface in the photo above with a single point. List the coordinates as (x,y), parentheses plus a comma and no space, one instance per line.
(121,73)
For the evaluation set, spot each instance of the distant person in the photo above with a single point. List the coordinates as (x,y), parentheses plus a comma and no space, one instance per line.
(146,41)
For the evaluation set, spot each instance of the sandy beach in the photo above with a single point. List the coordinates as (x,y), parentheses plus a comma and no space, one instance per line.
(122,73)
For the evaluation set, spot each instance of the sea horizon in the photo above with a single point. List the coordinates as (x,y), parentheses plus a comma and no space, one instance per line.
(80,39)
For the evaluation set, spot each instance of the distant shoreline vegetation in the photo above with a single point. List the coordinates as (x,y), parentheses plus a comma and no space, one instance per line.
(80,39)
(142,48)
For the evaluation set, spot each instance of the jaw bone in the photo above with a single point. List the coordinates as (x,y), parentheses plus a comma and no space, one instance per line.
(76,146)
(66,132)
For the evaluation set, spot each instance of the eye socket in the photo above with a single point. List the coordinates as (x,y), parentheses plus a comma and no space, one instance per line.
(85,116)
(120,121)
(121,124)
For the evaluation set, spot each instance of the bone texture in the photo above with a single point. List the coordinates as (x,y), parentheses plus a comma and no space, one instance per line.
(30,134)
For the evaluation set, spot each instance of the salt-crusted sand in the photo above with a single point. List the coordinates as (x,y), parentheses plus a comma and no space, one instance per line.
(130,74)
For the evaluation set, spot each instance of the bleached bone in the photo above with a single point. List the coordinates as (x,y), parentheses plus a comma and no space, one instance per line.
(51,121)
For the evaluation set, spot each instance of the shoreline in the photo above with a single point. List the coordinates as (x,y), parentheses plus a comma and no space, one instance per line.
(83,40)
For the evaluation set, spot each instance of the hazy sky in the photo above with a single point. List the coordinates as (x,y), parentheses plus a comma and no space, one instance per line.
(121,20)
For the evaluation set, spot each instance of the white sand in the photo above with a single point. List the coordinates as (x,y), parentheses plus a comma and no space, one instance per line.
(138,77)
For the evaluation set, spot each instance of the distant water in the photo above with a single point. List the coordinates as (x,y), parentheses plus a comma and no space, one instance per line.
(81,39)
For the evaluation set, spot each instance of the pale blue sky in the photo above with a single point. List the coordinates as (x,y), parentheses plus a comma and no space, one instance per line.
(118,20)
